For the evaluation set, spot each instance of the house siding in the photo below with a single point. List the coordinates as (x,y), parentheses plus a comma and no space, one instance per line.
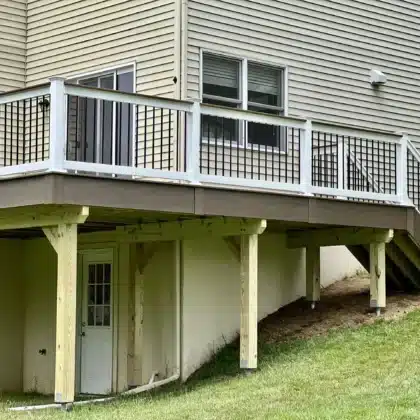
(329,48)
(12,44)
(70,38)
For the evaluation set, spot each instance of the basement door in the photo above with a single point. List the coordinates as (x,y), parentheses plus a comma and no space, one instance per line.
(96,323)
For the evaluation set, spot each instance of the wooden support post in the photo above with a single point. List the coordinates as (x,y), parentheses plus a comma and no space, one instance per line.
(377,276)
(63,238)
(313,274)
(249,302)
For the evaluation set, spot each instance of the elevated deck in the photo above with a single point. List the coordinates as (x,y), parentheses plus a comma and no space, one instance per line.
(137,159)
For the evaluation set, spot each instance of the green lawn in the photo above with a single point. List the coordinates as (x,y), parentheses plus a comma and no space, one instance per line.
(368,373)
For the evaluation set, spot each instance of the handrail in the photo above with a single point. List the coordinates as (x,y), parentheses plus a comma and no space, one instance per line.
(128,98)
(22,94)
(58,90)
(349,131)
(251,116)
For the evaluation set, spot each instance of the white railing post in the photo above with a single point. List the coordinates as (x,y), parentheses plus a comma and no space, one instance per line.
(306,159)
(402,187)
(193,143)
(57,124)
(341,165)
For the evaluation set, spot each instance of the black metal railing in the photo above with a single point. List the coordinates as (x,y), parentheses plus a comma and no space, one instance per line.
(366,165)
(123,134)
(226,150)
(24,131)
(371,165)
(413,178)
(325,160)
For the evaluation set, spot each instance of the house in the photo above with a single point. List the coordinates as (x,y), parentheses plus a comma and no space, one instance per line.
(171,169)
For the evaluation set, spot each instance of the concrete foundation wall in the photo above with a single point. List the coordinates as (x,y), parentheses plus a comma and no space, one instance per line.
(211,292)
(157,351)
(337,262)
(40,279)
(11,315)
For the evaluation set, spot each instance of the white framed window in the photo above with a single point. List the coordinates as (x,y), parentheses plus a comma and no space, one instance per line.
(245,84)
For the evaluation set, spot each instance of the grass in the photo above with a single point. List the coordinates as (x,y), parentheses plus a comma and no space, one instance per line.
(372,372)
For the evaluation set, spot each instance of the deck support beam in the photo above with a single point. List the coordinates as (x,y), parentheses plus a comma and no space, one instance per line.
(377,276)
(313,275)
(249,302)
(338,236)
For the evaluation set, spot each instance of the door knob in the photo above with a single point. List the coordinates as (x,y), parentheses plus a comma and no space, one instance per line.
(83,334)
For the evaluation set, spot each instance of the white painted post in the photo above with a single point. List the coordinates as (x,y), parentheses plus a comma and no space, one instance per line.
(377,257)
(402,187)
(193,143)
(313,274)
(57,124)
(249,302)
(306,159)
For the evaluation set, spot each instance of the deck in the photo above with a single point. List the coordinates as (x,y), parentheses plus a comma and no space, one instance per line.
(69,129)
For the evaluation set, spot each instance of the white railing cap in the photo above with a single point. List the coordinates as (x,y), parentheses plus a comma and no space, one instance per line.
(127,97)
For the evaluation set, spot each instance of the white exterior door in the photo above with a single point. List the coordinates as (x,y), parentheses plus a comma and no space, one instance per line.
(96,323)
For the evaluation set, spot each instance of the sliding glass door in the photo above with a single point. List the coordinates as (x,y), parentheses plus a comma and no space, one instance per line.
(102,131)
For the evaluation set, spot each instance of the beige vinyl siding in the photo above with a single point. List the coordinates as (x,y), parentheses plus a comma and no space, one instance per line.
(329,48)
(12,76)
(12,44)
(72,38)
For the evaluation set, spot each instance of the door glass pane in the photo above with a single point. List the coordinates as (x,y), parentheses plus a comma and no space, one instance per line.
(106,118)
(91,316)
(125,112)
(99,316)
(99,295)
(92,273)
(107,316)
(100,273)
(91,295)
(107,294)
(107,273)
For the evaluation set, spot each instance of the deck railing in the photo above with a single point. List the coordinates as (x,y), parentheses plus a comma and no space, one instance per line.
(61,127)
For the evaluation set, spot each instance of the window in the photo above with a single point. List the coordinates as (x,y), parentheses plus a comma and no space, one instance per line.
(93,125)
(224,84)
(221,86)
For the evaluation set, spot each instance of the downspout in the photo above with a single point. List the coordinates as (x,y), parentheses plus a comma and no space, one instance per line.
(181,48)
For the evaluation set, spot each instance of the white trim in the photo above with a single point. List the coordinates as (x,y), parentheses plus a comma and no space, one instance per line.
(20,95)
(25,169)
(226,181)
(364,195)
(99,168)
(251,116)
(128,98)
(100,72)
(348,131)
(286,91)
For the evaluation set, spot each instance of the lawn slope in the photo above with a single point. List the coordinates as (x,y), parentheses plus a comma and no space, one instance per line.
(369,372)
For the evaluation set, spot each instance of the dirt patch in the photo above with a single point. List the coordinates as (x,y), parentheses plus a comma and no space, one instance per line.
(343,304)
